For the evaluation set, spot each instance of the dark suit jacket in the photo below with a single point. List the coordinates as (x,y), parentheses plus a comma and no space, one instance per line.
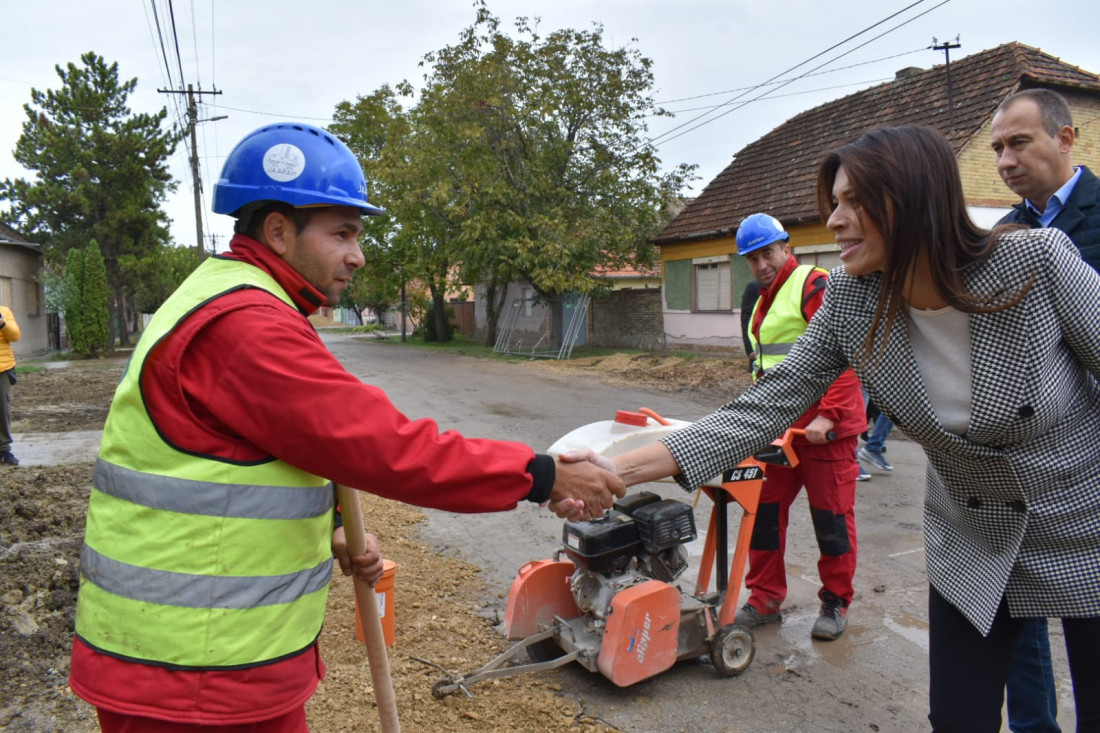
(1079,218)
(1012,509)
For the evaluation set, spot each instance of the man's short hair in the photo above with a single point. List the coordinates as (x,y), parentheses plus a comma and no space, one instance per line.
(1053,108)
(251,218)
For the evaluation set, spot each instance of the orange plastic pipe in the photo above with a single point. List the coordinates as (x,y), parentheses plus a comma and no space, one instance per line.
(660,420)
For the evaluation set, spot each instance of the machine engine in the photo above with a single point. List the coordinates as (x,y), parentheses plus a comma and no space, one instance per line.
(641,538)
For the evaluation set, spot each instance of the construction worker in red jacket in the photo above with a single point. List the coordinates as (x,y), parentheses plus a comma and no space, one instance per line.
(210,530)
(790,295)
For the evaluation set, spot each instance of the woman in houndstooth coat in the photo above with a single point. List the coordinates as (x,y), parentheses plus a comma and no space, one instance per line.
(985,349)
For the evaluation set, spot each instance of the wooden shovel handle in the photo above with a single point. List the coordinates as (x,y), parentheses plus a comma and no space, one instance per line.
(377,657)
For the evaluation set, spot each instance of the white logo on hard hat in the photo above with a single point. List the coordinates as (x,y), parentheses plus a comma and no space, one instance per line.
(284,162)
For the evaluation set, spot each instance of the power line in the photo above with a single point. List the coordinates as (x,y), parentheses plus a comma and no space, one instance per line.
(157,37)
(160,39)
(275,114)
(804,76)
(176,40)
(796,94)
(668,136)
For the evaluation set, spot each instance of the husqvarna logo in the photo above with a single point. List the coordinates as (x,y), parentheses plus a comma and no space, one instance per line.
(284,162)
(640,642)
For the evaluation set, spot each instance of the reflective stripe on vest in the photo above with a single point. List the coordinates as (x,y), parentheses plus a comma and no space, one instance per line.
(191,561)
(783,323)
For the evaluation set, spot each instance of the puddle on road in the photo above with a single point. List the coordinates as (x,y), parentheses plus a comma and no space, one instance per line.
(910,628)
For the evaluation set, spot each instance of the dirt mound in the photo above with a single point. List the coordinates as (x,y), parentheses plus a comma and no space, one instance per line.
(720,378)
(58,400)
(41,530)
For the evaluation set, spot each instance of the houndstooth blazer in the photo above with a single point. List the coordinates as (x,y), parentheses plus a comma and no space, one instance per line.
(1012,510)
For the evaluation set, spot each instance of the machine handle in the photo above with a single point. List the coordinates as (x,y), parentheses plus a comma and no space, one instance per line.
(776,455)
(830,436)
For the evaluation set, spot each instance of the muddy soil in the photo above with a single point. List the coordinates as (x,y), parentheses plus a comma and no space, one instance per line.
(443,622)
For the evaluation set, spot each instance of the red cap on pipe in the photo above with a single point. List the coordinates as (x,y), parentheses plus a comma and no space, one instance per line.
(626,417)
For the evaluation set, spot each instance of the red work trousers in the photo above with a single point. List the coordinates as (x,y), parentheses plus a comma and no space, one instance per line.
(828,471)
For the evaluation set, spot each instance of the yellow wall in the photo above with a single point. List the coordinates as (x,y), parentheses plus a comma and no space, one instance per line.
(705,248)
(801,236)
(805,235)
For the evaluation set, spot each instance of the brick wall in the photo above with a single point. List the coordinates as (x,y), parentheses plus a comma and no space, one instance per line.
(627,319)
(982,185)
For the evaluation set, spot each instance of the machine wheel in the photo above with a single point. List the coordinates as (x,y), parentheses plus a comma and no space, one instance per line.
(437,689)
(546,650)
(732,650)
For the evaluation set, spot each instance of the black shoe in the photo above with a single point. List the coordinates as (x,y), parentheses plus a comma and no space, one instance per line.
(8,458)
(749,616)
(833,619)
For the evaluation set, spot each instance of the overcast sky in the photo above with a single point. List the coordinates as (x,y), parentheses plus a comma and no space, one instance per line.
(290,60)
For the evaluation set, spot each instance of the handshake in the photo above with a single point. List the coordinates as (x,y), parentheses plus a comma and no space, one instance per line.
(586,484)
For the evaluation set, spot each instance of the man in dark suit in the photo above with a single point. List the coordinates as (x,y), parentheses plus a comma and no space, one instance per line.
(1033,138)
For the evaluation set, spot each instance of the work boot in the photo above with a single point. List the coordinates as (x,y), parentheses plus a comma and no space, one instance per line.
(749,616)
(8,458)
(833,619)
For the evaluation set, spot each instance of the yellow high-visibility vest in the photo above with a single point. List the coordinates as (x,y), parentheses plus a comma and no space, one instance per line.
(191,560)
(783,324)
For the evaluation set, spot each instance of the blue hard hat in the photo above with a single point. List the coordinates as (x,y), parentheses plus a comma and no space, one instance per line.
(295,163)
(759,230)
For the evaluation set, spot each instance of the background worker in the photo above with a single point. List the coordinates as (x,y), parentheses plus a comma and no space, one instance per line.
(790,294)
(9,334)
(208,552)
(1033,137)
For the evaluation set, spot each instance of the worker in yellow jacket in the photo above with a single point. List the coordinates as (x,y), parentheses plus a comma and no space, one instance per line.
(9,333)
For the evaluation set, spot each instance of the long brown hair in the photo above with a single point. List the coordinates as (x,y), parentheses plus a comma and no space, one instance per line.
(907,184)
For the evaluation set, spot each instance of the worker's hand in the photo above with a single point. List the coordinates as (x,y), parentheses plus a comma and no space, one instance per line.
(583,481)
(569,509)
(573,509)
(819,428)
(587,454)
(367,566)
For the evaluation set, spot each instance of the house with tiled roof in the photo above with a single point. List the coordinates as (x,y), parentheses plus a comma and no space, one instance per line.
(703,276)
(21,290)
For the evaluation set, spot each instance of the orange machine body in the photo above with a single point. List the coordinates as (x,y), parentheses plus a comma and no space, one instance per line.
(539,593)
(642,635)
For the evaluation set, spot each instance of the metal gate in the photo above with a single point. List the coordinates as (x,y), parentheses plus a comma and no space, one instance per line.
(528,327)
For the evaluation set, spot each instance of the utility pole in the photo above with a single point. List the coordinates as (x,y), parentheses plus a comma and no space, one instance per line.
(192,122)
(946,48)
